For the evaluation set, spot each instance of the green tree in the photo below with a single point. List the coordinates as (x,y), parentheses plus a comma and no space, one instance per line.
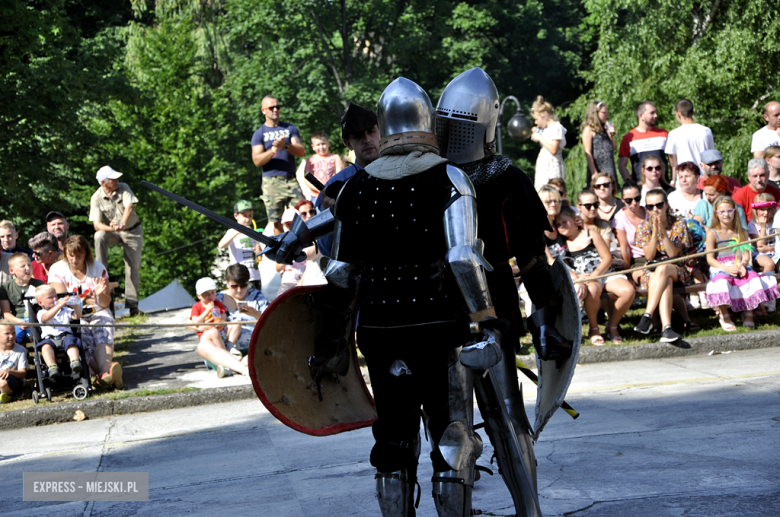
(179,132)
(56,58)
(721,55)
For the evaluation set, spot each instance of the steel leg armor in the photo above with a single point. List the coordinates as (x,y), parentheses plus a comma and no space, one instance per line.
(395,490)
(459,448)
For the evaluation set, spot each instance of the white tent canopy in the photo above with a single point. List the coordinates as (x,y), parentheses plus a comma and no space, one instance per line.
(173,296)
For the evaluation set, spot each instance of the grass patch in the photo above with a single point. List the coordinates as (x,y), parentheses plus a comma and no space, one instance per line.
(66,397)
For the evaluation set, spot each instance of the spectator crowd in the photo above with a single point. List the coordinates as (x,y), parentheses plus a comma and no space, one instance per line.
(666,197)
(674,202)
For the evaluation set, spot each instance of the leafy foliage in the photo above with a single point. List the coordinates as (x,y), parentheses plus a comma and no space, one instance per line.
(169,90)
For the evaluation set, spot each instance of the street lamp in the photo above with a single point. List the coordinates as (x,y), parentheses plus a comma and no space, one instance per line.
(519,126)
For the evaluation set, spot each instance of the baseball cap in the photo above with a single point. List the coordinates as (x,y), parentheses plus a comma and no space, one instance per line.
(289,215)
(242,205)
(53,215)
(356,120)
(107,173)
(711,156)
(205,284)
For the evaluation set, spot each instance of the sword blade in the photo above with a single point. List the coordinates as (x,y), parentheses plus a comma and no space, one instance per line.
(221,219)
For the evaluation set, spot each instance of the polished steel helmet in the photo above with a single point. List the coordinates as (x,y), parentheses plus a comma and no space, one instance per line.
(466,117)
(404,107)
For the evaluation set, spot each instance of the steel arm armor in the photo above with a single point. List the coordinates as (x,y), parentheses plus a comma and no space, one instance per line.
(464,254)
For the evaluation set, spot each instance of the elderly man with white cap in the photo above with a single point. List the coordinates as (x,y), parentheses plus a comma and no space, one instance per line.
(112,212)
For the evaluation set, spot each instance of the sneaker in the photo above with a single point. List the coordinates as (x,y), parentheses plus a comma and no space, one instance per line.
(235,352)
(695,301)
(116,373)
(54,371)
(75,366)
(223,372)
(5,398)
(481,356)
(669,335)
(645,324)
(703,299)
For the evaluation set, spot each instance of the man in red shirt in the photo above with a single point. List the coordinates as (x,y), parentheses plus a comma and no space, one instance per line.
(758,175)
(644,140)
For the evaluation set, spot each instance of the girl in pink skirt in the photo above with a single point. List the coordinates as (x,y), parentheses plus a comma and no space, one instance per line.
(733,283)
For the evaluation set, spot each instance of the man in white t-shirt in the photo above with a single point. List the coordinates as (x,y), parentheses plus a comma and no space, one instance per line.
(768,134)
(243,249)
(687,142)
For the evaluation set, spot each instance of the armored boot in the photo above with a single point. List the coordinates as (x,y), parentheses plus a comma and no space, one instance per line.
(395,493)
(550,345)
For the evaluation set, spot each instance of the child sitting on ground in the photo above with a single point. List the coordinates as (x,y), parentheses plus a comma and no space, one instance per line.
(57,312)
(323,164)
(12,292)
(13,363)
(733,283)
(243,303)
(212,346)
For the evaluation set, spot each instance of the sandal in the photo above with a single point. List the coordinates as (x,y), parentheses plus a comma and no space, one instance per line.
(747,320)
(728,326)
(595,337)
(615,338)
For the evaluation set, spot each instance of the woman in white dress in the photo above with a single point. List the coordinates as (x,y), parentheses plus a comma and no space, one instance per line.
(551,136)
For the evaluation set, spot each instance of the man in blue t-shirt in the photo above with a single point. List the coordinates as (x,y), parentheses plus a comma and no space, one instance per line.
(274,147)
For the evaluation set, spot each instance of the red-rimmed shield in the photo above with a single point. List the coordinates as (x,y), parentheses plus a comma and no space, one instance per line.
(281,344)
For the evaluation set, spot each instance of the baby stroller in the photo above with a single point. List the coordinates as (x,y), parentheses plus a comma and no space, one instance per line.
(67,380)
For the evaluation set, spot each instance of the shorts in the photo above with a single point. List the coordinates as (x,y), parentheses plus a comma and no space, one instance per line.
(279,192)
(68,340)
(20,334)
(244,338)
(605,281)
(15,384)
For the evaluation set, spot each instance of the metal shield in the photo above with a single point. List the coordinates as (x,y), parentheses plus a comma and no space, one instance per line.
(553,381)
(281,344)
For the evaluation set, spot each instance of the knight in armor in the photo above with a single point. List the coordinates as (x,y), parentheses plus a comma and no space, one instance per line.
(417,307)
(511,220)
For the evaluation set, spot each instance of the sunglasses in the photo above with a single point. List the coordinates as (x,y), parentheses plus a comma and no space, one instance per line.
(632,200)
(590,206)
(311,212)
(659,206)
(562,223)
(237,286)
(656,168)
(271,108)
(726,212)
(552,202)
(600,186)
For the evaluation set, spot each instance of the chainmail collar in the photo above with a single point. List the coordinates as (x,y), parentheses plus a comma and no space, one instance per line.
(486,170)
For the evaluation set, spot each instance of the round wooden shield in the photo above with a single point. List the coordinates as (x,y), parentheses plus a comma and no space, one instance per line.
(282,342)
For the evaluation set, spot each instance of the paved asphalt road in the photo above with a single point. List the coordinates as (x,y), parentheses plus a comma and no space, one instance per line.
(694,436)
